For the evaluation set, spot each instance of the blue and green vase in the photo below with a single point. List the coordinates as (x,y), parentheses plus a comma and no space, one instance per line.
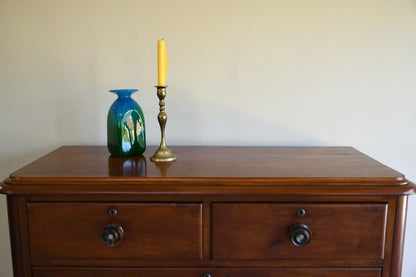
(125,125)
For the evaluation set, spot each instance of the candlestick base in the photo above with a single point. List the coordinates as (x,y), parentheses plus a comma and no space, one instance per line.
(163,154)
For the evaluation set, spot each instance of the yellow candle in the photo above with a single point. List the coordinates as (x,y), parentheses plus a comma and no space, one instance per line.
(162,63)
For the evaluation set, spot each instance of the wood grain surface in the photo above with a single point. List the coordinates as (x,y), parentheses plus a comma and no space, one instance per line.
(294,163)
(152,231)
(186,272)
(261,231)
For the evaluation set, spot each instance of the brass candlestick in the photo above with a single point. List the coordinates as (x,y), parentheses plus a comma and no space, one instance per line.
(163,154)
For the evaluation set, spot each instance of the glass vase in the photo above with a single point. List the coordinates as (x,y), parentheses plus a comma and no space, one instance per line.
(125,125)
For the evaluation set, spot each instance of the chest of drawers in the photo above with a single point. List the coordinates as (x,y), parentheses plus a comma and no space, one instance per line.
(215,212)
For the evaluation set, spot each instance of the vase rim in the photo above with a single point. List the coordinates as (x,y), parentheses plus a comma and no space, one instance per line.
(123,92)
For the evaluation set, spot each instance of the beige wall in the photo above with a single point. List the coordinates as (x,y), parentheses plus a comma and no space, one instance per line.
(244,72)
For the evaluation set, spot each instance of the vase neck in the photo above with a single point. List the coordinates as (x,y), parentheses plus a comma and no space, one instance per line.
(123,92)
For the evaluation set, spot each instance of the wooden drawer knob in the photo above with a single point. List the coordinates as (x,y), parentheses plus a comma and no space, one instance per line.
(300,235)
(112,234)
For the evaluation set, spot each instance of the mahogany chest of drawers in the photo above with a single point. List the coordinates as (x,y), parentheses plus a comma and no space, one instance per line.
(215,212)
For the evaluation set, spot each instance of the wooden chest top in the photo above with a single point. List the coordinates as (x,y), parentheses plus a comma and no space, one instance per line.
(211,167)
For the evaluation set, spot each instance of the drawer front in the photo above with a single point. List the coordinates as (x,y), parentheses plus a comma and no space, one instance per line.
(256,231)
(65,231)
(131,272)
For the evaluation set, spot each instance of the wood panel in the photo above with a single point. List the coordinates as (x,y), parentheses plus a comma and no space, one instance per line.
(19,238)
(253,231)
(297,165)
(268,272)
(72,231)
(399,232)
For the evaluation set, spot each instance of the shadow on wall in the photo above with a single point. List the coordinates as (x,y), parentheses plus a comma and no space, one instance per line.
(261,124)
(11,163)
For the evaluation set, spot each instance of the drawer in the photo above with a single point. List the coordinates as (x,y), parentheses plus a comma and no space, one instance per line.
(262,231)
(206,272)
(68,231)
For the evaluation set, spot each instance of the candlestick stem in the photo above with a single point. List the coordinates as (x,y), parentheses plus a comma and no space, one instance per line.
(162,154)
